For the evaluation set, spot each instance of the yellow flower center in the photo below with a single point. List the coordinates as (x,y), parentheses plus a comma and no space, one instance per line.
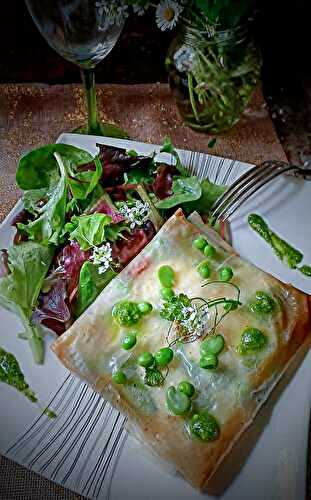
(169,14)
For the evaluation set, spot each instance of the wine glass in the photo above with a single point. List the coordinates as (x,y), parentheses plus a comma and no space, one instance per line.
(83,32)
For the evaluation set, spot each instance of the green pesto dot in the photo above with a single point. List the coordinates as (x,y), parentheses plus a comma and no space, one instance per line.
(212,345)
(145,307)
(204,270)
(204,426)
(209,361)
(166,293)
(126,313)
(164,356)
(187,388)
(200,243)
(145,359)
(252,341)
(129,341)
(119,377)
(225,273)
(166,276)
(209,251)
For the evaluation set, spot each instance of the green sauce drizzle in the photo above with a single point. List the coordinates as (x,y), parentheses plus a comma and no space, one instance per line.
(11,374)
(306,270)
(283,250)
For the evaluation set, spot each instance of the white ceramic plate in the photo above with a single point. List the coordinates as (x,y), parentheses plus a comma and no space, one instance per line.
(87,449)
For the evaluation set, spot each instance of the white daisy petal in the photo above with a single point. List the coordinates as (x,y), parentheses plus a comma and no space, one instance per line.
(167,14)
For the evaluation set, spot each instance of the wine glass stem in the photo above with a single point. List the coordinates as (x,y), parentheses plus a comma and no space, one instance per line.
(88,78)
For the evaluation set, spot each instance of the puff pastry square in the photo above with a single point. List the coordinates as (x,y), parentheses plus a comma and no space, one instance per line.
(233,392)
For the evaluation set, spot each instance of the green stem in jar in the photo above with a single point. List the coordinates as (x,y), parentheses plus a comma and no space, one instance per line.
(192,98)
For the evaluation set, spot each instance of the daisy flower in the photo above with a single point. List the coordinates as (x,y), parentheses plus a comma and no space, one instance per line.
(167,14)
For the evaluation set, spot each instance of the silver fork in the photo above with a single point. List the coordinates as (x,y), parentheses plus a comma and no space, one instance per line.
(249,183)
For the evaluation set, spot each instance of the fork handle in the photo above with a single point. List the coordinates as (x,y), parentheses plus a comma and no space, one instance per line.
(295,171)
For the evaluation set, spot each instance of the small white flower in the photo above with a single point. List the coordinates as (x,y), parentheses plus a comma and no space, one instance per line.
(140,10)
(167,14)
(135,215)
(102,257)
(111,13)
(194,320)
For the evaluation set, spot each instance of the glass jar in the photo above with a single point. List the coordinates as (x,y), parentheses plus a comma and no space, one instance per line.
(212,75)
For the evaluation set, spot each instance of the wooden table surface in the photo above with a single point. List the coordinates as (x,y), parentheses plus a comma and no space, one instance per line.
(33,115)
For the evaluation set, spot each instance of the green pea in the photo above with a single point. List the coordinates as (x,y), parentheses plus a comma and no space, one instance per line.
(119,377)
(164,356)
(145,359)
(166,293)
(209,251)
(166,276)
(204,426)
(225,273)
(186,388)
(200,243)
(129,341)
(209,361)
(212,345)
(145,307)
(204,270)
(252,341)
(177,402)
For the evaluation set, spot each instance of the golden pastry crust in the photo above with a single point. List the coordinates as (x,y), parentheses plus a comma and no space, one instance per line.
(241,390)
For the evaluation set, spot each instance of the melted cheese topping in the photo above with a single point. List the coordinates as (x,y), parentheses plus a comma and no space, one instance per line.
(222,390)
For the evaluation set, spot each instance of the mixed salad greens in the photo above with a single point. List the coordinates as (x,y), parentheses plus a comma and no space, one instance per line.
(84,219)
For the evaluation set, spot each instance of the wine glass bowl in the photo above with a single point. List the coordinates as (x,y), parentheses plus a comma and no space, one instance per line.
(83,32)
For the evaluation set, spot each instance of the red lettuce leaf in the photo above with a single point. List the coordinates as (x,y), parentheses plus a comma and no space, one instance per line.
(163,183)
(116,162)
(124,250)
(71,260)
(55,307)
(54,311)
(103,207)
(4,263)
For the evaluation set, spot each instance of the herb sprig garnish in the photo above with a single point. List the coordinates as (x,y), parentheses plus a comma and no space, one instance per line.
(192,315)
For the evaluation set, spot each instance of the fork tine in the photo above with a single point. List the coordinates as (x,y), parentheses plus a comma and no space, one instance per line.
(249,190)
(243,180)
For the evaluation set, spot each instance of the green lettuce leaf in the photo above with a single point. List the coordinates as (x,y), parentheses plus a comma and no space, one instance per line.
(81,184)
(185,189)
(38,169)
(19,291)
(32,197)
(47,227)
(169,148)
(91,283)
(210,193)
(92,230)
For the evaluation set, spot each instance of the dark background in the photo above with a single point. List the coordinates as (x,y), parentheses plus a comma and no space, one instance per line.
(283,30)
